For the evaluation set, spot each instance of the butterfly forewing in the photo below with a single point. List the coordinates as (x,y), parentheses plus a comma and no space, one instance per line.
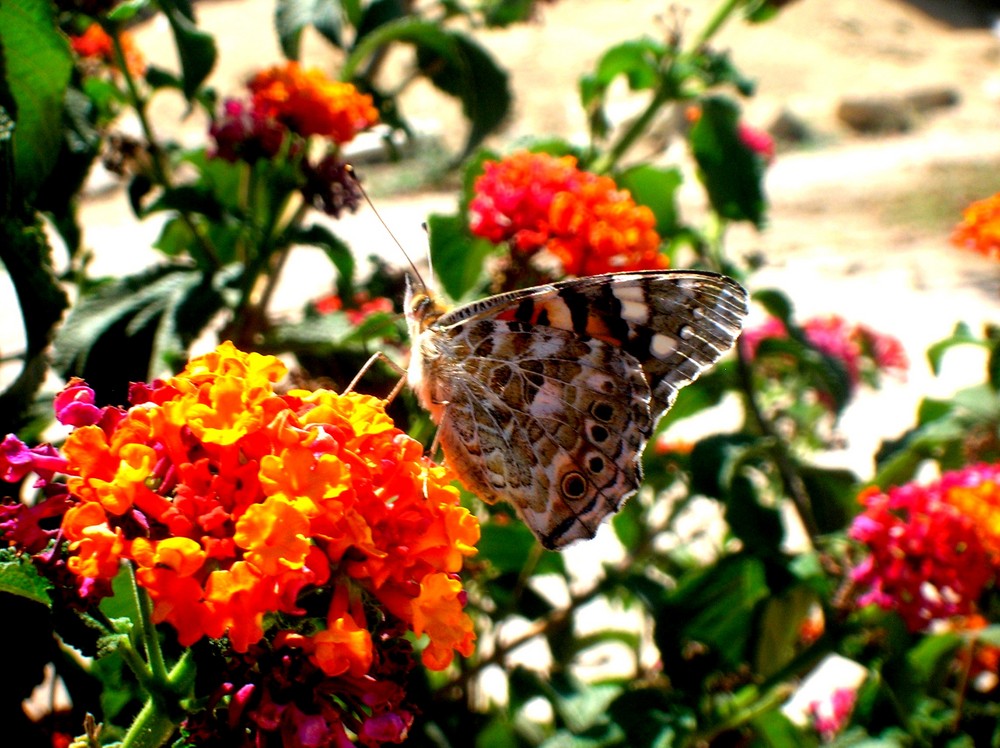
(546,397)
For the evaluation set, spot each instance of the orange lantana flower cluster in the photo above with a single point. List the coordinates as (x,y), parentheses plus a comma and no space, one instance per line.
(309,103)
(234,502)
(980,227)
(95,44)
(536,201)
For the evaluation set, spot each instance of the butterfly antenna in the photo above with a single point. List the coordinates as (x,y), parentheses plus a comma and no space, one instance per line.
(419,278)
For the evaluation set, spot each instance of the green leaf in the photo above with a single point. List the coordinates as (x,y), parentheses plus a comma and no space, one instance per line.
(138,327)
(470,74)
(713,460)
(453,62)
(655,187)
(776,303)
(336,249)
(780,628)
(505,546)
(716,606)
(458,258)
(26,257)
(330,333)
(732,173)
(931,658)
(649,718)
(832,494)
(292,17)
(503,13)
(18,576)
(378,13)
(637,60)
(758,526)
(962,335)
(581,706)
(508,546)
(36,64)
(195,48)
(498,731)
(7,181)
(127,10)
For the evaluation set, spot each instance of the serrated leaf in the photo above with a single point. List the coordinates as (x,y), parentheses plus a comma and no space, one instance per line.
(458,258)
(37,68)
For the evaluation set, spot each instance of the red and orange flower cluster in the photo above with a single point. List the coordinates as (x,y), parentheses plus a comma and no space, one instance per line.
(94,44)
(287,105)
(980,227)
(536,201)
(932,549)
(309,103)
(292,101)
(234,503)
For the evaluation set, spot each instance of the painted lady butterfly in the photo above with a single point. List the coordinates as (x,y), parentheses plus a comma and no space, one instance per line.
(546,397)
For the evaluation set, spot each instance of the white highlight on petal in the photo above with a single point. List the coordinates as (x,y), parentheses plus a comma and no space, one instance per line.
(662,345)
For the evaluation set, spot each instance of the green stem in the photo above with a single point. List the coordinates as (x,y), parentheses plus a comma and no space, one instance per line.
(161,714)
(783,460)
(664,94)
(147,630)
(716,22)
(205,254)
(635,130)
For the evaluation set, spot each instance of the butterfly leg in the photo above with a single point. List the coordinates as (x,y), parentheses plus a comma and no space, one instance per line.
(377,356)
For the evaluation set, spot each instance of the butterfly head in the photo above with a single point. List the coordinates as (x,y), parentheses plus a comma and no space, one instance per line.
(422,310)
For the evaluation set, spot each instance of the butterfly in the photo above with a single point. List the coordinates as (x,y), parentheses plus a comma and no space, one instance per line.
(545,397)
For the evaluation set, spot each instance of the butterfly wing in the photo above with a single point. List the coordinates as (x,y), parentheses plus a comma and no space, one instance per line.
(546,397)
(675,323)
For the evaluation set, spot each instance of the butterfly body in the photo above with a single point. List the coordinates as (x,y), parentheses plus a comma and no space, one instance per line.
(546,397)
